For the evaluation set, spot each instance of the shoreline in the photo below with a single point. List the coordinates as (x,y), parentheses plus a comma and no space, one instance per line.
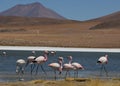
(67,82)
(66,49)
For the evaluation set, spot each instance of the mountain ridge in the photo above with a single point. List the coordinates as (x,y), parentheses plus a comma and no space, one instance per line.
(109,17)
(107,21)
(31,10)
(37,10)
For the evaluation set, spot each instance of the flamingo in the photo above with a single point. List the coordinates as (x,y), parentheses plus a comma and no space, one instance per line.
(4,53)
(31,61)
(77,66)
(57,66)
(68,66)
(103,60)
(53,53)
(72,66)
(20,63)
(40,60)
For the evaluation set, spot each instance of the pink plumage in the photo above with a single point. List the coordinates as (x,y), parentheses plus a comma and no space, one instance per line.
(30,59)
(103,59)
(55,66)
(40,60)
(68,66)
(77,65)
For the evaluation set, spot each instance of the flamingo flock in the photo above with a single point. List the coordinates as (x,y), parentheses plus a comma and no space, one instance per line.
(58,66)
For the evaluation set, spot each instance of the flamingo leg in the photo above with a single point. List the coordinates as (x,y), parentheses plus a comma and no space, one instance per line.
(37,69)
(26,64)
(32,68)
(77,73)
(21,73)
(66,74)
(55,74)
(69,73)
(74,74)
(43,70)
(105,71)
(101,69)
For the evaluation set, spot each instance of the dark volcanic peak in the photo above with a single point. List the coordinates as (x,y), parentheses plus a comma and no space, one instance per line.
(31,10)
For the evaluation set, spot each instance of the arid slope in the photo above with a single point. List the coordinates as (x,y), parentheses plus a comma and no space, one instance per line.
(51,32)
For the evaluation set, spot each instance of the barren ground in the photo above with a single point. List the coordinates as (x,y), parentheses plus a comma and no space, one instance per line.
(62,35)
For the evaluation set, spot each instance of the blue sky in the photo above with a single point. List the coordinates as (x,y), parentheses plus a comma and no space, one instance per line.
(72,9)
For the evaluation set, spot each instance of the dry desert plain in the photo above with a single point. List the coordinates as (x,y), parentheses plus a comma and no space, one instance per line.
(70,34)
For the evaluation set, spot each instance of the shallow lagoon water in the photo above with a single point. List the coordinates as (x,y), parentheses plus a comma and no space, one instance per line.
(87,59)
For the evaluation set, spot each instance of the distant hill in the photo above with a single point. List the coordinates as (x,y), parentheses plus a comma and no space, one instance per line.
(108,24)
(108,21)
(31,10)
(37,14)
(28,21)
(110,17)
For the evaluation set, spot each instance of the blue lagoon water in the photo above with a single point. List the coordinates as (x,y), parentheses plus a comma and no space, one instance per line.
(87,59)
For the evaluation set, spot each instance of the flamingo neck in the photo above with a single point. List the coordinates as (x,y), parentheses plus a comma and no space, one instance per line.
(46,57)
(70,61)
(61,67)
(106,56)
(60,62)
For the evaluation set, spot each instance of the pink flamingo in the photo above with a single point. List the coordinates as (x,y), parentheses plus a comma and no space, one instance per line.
(103,60)
(57,66)
(68,66)
(72,66)
(77,67)
(31,61)
(20,63)
(40,60)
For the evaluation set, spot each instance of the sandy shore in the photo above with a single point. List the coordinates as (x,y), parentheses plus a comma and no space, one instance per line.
(67,82)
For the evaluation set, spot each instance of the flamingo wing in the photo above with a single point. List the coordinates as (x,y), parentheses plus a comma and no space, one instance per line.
(77,65)
(102,59)
(54,65)
(67,66)
(20,61)
(40,59)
